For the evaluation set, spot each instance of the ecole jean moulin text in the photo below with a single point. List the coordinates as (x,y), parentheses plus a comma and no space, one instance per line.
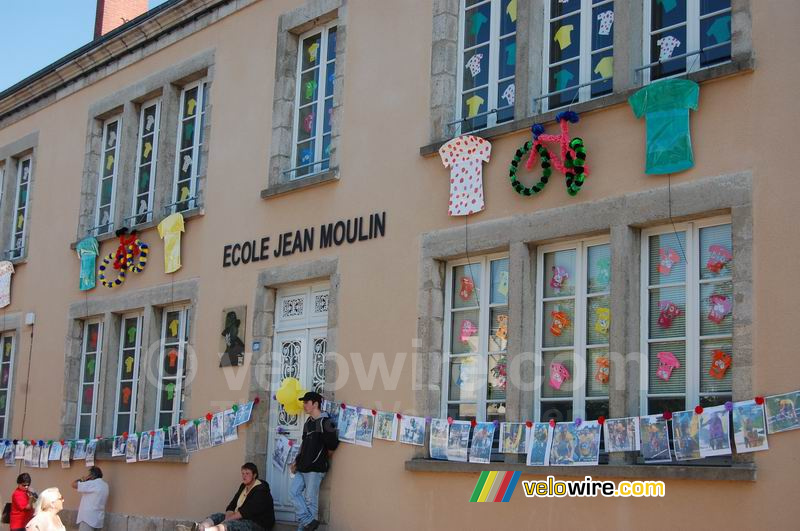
(332,234)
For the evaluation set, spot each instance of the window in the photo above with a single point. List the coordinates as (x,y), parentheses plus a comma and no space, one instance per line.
(687,323)
(147,155)
(675,30)
(172,366)
(90,369)
(190,141)
(130,344)
(20,219)
(579,53)
(476,333)
(573,324)
(316,69)
(487,63)
(6,366)
(109,158)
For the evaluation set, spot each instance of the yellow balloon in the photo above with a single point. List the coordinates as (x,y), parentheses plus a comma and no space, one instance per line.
(288,396)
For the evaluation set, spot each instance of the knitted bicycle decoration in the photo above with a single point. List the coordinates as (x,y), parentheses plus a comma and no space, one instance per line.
(572,162)
(130,257)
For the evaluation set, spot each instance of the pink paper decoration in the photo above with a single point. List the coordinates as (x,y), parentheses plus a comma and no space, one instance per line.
(720,257)
(667,363)
(560,278)
(721,306)
(668,311)
(558,375)
(669,259)
(467,287)
(468,329)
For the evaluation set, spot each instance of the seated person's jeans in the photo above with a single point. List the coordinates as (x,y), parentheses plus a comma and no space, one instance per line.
(235,525)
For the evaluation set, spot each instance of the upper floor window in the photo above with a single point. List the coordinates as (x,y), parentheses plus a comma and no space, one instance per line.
(20,220)
(146,158)
(687,316)
(172,366)
(573,323)
(128,374)
(686,35)
(189,145)
(106,190)
(6,368)
(88,382)
(487,63)
(579,50)
(476,339)
(316,70)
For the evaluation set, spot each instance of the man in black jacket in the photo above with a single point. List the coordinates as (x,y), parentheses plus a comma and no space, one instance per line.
(251,508)
(319,438)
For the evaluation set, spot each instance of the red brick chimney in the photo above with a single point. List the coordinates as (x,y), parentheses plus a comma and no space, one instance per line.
(115,13)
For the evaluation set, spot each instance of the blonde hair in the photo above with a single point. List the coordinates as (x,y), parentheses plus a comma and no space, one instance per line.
(47,499)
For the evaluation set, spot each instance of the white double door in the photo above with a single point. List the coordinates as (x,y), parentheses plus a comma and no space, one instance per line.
(298,351)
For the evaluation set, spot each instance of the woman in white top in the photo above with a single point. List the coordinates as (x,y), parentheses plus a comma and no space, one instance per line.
(48,506)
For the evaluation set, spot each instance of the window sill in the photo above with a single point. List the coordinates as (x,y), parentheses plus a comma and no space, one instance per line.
(741,472)
(187,214)
(736,66)
(327,176)
(20,260)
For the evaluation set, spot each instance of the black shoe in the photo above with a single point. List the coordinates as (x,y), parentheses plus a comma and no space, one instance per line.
(312,525)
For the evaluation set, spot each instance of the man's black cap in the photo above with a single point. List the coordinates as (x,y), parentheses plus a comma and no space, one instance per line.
(311,395)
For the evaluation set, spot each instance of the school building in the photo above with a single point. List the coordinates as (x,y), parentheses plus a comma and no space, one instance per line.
(299,140)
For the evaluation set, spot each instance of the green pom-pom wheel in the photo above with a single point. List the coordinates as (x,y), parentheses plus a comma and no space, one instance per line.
(545,164)
(575,167)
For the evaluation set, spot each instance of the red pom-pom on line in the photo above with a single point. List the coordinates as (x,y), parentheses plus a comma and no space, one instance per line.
(529,423)
(667,415)
(552,423)
(62,442)
(449,420)
(291,443)
(473,423)
(209,416)
(398,415)
(601,420)
(760,400)
(374,412)
(256,400)
(152,434)
(125,434)
(698,410)
(183,422)
(99,438)
(343,405)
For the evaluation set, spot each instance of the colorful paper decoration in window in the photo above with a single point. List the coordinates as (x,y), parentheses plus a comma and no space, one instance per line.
(603,370)
(667,363)
(602,320)
(572,162)
(465,156)
(558,375)
(721,307)
(720,362)
(718,259)
(559,279)
(502,327)
(669,259)
(468,329)
(668,311)
(561,321)
(467,287)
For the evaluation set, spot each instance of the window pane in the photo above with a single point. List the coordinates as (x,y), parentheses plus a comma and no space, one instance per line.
(462,411)
(562,7)
(496,411)
(719,354)
(558,324)
(508,17)
(87,395)
(85,428)
(332,44)
(310,51)
(559,411)
(465,378)
(306,122)
(190,102)
(476,68)
(565,38)
(497,377)
(602,68)
(667,312)
(713,31)
(596,408)
(164,419)
(666,45)
(597,369)
(464,332)
(716,308)
(599,268)
(330,77)
(309,86)
(712,6)
(498,329)
(716,252)
(665,13)
(667,368)
(598,320)
(562,77)
(473,104)
(477,25)
(507,95)
(123,423)
(507,60)
(559,273)
(711,401)
(667,258)
(603,26)
(565,358)
(466,285)
(499,281)
(657,406)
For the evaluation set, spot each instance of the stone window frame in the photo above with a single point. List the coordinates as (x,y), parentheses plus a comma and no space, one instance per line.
(106,123)
(139,316)
(623,217)
(151,302)
(166,86)
(628,56)
(11,155)
(11,325)
(291,26)
(267,285)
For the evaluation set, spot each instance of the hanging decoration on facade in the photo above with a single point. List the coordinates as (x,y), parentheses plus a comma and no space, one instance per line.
(130,257)
(87,250)
(667,362)
(668,311)
(720,362)
(465,156)
(665,105)
(170,230)
(6,270)
(572,162)
(289,394)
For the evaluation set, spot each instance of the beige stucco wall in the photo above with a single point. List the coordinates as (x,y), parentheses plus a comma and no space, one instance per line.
(744,123)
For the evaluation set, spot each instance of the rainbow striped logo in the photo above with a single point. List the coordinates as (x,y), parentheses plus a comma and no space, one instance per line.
(495,486)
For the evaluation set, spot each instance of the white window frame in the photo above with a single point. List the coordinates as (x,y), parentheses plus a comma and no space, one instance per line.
(579,324)
(484,314)
(177,410)
(96,383)
(22,236)
(153,161)
(692,339)
(8,387)
(584,57)
(199,117)
(493,98)
(319,111)
(692,44)
(103,152)
(135,377)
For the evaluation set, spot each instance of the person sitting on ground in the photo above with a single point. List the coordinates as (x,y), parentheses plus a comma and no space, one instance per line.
(48,506)
(251,508)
